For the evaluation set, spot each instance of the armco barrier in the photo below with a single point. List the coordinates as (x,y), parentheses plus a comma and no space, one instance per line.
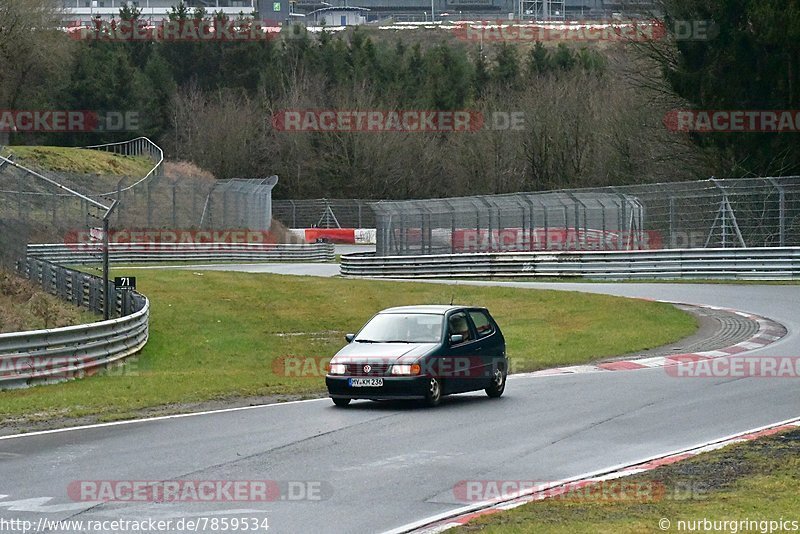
(729,263)
(58,354)
(156,252)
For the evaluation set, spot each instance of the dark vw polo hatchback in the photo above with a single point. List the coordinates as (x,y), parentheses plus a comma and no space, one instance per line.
(420,352)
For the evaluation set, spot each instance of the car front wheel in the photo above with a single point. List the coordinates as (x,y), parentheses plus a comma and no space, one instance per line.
(498,384)
(341,402)
(433,396)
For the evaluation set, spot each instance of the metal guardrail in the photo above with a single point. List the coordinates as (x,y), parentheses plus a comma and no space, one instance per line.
(157,252)
(739,264)
(58,354)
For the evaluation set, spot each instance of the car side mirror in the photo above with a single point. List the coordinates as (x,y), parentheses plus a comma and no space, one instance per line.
(349,337)
(456,338)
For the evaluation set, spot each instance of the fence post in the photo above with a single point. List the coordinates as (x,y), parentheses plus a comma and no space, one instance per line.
(781,212)
(54,198)
(119,200)
(20,211)
(194,203)
(672,237)
(149,205)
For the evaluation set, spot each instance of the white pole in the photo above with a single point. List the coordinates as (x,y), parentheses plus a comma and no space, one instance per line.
(433,16)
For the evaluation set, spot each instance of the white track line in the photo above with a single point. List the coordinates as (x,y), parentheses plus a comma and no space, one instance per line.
(453,514)
(157,418)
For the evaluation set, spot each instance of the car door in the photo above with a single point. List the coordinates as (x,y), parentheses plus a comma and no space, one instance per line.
(492,345)
(462,363)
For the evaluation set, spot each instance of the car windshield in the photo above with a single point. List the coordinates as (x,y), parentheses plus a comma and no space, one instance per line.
(402,328)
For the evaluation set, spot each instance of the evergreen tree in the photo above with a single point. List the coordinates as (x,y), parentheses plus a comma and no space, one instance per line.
(506,71)
(564,58)
(482,75)
(539,60)
(742,54)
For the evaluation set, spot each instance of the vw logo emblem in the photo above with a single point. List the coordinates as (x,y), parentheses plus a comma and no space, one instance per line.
(367,369)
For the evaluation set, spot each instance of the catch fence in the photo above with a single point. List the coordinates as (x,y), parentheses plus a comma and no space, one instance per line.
(714,213)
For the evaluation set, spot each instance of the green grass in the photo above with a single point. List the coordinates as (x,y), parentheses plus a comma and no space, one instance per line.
(749,481)
(215,335)
(78,161)
(581,280)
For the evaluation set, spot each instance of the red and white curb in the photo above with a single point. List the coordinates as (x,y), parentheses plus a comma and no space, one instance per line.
(768,332)
(461,516)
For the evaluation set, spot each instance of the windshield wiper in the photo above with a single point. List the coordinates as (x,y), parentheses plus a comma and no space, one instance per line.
(366,341)
(399,341)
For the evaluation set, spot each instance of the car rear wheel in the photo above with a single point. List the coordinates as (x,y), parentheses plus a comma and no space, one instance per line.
(341,402)
(498,384)
(433,396)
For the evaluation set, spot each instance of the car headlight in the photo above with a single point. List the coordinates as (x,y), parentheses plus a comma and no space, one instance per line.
(403,369)
(337,368)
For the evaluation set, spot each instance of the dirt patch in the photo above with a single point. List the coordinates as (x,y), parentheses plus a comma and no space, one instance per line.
(23,306)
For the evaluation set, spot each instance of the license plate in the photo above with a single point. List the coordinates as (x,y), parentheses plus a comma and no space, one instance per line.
(365,382)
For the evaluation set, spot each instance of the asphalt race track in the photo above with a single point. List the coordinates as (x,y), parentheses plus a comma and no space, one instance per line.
(384,465)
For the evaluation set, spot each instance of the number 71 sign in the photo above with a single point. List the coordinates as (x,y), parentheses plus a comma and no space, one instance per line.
(125,283)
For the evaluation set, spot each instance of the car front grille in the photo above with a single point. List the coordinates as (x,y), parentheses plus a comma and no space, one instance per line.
(374,369)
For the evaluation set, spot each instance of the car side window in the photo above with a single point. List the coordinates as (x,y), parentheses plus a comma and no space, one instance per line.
(458,324)
(483,326)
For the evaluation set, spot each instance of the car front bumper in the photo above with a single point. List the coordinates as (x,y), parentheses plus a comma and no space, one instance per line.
(393,388)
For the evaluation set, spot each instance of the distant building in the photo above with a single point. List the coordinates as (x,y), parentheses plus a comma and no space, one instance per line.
(486,9)
(338,16)
(335,12)
(157,10)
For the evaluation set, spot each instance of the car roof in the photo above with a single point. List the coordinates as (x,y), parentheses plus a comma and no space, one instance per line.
(437,309)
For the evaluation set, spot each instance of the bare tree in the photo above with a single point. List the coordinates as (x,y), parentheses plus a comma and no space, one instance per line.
(32,48)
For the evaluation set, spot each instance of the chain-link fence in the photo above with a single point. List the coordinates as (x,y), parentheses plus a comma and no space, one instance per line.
(35,210)
(324,213)
(216,204)
(750,212)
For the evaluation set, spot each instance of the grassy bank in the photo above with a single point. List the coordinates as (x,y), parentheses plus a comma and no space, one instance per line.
(77,161)
(215,335)
(755,481)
